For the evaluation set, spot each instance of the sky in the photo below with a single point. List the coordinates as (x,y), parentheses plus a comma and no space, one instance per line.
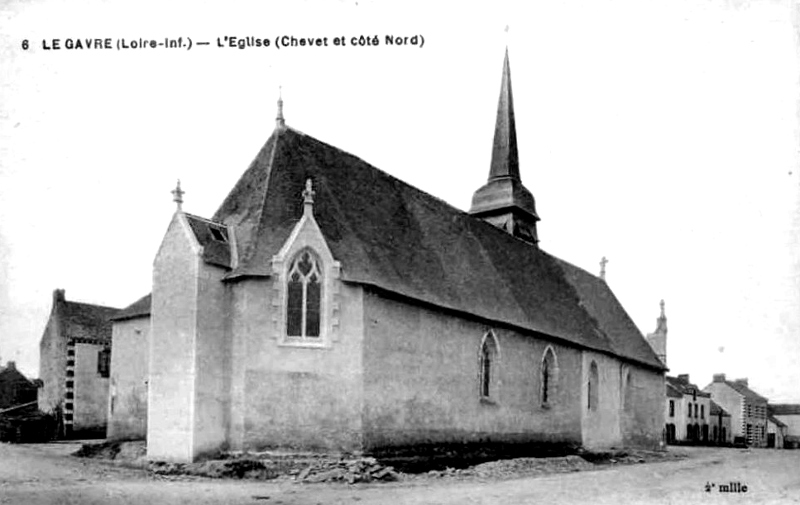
(662,135)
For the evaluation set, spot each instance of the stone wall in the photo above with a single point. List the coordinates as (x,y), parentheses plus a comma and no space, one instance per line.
(422,382)
(127,398)
(91,392)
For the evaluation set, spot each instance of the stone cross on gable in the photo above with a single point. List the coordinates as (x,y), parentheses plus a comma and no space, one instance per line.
(603,263)
(177,194)
(308,197)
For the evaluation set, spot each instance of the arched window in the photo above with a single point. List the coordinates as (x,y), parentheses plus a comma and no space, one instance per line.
(549,376)
(627,395)
(593,387)
(488,366)
(304,296)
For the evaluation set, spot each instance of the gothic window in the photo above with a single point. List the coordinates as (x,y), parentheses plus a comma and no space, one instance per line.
(689,411)
(549,376)
(488,366)
(695,411)
(672,408)
(702,411)
(304,297)
(593,387)
(627,398)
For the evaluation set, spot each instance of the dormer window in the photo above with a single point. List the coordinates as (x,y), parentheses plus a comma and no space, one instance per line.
(217,234)
(304,297)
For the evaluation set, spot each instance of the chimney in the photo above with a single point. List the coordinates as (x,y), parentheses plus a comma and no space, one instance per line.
(11,365)
(741,382)
(58,296)
(684,377)
(719,377)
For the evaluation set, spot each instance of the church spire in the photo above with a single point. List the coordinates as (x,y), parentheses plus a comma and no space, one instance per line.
(658,339)
(279,121)
(503,201)
(505,158)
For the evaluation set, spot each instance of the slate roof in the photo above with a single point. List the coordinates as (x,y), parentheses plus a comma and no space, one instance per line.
(139,308)
(715,410)
(776,422)
(214,239)
(686,387)
(785,409)
(673,392)
(745,391)
(86,321)
(392,236)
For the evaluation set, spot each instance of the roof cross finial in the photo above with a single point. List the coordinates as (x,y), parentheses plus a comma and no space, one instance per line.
(177,195)
(662,308)
(279,121)
(603,263)
(308,197)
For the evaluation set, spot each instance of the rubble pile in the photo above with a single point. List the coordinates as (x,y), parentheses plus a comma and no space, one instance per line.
(219,469)
(530,466)
(347,470)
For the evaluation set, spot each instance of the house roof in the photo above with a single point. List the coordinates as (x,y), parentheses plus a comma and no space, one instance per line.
(784,409)
(715,410)
(745,391)
(11,374)
(139,308)
(86,321)
(776,422)
(686,387)
(392,236)
(673,392)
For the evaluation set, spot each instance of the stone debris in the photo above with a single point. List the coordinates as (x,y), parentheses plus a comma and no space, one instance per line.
(316,468)
(347,470)
(529,466)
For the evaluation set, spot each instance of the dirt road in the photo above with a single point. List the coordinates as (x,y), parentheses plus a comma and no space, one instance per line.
(48,475)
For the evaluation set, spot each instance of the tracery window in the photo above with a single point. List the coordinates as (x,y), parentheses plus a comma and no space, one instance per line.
(304,297)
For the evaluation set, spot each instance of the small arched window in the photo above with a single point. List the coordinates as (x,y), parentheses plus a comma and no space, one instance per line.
(488,366)
(304,296)
(593,387)
(628,393)
(549,376)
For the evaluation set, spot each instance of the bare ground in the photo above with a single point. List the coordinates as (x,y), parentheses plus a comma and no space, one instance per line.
(46,474)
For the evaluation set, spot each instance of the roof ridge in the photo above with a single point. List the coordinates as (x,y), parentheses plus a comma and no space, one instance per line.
(85,304)
(205,219)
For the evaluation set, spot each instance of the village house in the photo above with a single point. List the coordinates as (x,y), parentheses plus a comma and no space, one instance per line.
(788,414)
(329,306)
(688,411)
(127,391)
(747,408)
(720,423)
(776,432)
(74,366)
(16,390)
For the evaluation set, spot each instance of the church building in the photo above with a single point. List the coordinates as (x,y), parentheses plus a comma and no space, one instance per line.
(329,306)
